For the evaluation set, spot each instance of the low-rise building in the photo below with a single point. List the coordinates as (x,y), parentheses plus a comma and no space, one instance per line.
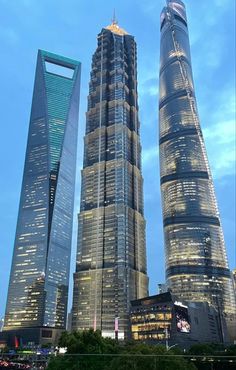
(163,319)
(30,337)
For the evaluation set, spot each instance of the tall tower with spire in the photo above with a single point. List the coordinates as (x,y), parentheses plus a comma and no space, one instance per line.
(196,262)
(111,256)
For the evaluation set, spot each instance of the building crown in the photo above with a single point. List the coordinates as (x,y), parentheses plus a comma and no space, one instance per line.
(114,27)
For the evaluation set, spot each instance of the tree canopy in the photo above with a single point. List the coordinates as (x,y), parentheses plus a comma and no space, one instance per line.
(88,350)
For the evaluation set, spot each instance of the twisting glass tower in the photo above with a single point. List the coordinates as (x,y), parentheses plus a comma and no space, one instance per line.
(38,288)
(196,262)
(111,259)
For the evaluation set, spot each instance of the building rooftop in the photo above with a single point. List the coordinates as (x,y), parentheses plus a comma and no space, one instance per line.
(114,27)
(153,299)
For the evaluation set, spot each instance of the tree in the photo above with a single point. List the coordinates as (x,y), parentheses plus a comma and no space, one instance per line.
(201,349)
(88,350)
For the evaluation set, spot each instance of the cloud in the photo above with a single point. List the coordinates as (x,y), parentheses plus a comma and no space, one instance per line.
(149,155)
(149,86)
(222,132)
(214,52)
(220,137)
(220,142)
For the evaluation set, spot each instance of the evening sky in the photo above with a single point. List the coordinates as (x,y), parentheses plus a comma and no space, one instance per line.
(70,28)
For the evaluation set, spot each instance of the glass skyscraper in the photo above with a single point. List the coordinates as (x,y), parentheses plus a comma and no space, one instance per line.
(38,288)
(196,262)
(111,257)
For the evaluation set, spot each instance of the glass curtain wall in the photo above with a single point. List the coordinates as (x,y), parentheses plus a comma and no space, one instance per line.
(38,288)
(196,262)
(111,258)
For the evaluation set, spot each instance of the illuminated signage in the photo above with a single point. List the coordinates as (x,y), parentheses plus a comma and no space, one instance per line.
(182,318)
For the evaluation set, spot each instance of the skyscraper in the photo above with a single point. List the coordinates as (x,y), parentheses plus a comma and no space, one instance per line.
(196,262)
(38,288)
(111,258)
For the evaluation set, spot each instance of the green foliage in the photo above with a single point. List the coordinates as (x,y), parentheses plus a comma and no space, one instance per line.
(88,350)
(210,350)
(201,349)
(231,350)
(5,349)
(88,341)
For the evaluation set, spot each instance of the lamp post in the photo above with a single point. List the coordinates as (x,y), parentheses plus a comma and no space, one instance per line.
(172,346)
(167,342)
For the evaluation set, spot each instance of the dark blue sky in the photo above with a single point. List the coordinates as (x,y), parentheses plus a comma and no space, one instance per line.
(70,28)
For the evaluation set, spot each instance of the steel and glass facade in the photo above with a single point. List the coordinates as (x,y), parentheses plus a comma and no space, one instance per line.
(161,319)
(196,262)
(151,318)
(38,288)
(111,258)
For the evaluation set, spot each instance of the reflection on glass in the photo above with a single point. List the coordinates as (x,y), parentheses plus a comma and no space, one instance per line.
(111,257)
(196,262)
(38,288)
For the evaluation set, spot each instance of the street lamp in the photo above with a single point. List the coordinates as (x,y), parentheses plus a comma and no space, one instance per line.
(172,346)
(167,343)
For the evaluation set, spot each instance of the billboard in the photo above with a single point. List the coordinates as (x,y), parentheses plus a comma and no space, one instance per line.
(182,318)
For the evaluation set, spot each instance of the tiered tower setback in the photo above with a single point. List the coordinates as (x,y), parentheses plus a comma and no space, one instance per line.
(111,258)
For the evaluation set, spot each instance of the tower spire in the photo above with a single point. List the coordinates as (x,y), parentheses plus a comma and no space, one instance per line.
(113,27)
(114,19)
